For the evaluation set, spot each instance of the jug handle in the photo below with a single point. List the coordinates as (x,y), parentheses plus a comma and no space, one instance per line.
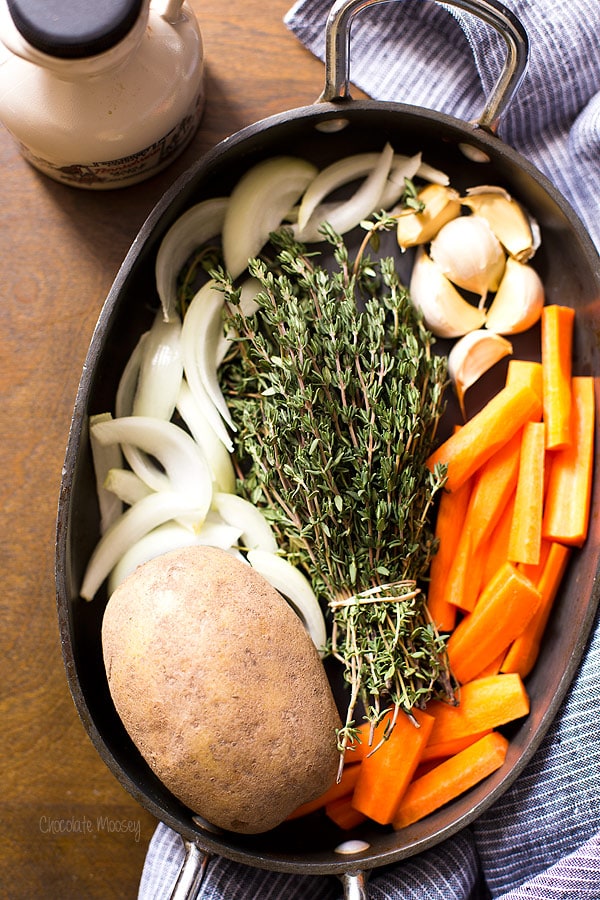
(169,10)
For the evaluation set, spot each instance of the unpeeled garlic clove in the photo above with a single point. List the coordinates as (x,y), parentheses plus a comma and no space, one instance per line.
(469,254)
(506,218)
(519,300)
(442,204)
(471,357)
(445,312)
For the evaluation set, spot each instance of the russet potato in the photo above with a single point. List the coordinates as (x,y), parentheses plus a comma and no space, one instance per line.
(220,688)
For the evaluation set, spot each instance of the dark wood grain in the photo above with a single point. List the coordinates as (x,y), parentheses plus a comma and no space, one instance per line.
(60,249)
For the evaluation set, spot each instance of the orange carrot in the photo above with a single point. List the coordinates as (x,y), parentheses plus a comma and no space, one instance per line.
(526,532)
(524,650)
(496,548)
(357,750)
(338,789)
(567,511)
(483,435)
(524,371)
(385,774)
(451,778)
(557,345)
(451,513)
(485,703)
(493,667)
(343,813)
(506,605)
(450,748)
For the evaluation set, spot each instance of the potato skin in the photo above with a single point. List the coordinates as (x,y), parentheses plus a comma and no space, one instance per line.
(220,688)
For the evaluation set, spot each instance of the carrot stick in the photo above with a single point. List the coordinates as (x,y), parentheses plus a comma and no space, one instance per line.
(524,371)
(451,513)
(338,789)
(494,667)
(343,813)
(450,748)
(506,605)
(385,774)
(524,650)
(451,778)
(526,532)
(557,346)
(483,435)
(566,516)
(496,548)
(485,703)
(357,750)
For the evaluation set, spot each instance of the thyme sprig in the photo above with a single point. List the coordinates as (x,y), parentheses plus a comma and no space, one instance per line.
(336,395)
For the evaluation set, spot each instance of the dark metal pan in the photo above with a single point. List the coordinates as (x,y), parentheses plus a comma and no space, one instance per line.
(334,126)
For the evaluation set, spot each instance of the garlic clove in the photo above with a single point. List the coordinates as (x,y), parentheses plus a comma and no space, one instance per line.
(471,357)
(442,204)
(469,254)
(445,312)
(519,300)
(506,218)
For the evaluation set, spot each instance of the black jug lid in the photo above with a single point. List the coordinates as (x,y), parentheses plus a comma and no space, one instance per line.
(74,29)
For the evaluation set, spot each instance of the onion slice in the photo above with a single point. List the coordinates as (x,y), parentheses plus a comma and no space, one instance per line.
(215,452)
(259,203)
(161,370)
(349,213)
(132,525)
(126,485)
(193,228)
(256,533)
(105,459)
(296,588)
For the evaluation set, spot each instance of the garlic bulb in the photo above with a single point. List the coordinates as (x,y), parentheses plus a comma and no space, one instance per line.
(445,312)
(441,205)
(469,254)
(505,217)
(519,300)
(471,357)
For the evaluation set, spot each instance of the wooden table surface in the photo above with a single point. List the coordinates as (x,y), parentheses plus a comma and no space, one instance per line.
(60,250)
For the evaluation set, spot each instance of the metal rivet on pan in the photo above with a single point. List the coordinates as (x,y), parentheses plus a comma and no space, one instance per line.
(352,847)
(474,153)
(329,126)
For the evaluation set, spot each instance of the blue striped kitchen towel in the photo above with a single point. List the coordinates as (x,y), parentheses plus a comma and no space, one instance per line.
(541,840)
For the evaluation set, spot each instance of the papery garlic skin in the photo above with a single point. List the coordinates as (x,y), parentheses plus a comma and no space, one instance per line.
(445,312)
(519,300)
(505,217)
(472,356)
(469,254)
(442,204)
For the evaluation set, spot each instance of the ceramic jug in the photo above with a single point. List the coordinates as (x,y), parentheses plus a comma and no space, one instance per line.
(100,93)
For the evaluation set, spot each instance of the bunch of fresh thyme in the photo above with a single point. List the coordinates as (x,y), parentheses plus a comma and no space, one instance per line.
(336,395)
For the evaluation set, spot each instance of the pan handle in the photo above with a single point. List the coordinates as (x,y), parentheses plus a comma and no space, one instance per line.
(337,52)
(354,885)
(191,873)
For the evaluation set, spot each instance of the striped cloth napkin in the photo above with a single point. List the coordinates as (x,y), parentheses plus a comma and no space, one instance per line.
(541,840)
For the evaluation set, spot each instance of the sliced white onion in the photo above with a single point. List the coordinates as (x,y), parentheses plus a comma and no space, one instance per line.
(193,228)
(296,588)
(186,469)
(256,532)
(132,525)
(199,350)
(170,536)
(215,452)
(349,213)
(126,485)
(259,203)
(161,370)
(128,381)
(104,459)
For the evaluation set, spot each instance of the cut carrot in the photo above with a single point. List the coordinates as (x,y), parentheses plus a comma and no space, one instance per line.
(506,605)
(485,703)
(525,371)
(484,434)
(343,813)
(497,546)
(386,773)
(495,485)
(524,650)
(567,511)
(526,532)
(494,667)
(534,572)
(451,778)
(557,346)
(444,749)
(451,513)
(338,789)
(357,750)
